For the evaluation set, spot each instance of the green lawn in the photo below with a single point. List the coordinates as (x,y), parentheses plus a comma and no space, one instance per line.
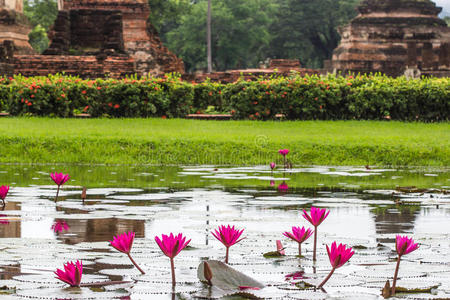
(158,141)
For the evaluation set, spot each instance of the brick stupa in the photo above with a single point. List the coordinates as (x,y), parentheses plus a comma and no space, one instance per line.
(14,26)
(112,28)
(394,36)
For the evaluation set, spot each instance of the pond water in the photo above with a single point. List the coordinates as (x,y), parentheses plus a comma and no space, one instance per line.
(367,211)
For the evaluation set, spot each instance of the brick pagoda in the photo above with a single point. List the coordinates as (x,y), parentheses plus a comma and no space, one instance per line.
(97,38)
(14,26)
(394,37)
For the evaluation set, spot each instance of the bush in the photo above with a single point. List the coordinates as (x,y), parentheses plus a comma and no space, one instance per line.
(368,97)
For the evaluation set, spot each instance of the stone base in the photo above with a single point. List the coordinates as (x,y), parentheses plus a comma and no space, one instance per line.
(15,27)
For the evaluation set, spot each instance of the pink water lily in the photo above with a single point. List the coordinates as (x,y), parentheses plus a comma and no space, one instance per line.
(59,179)
(171,245)
(316,217)
(403,246)
(283,152)
(72,273)
(299,235)
(338,255)
(60,226)
(228,236)
(3,192)
(123,243)
(272,165)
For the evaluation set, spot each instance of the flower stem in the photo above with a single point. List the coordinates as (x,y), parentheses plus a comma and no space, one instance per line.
(299,249)
(326,279)
(226,255)
(57,193)
(135,264)
(172,267)
(394,282)
(315,243)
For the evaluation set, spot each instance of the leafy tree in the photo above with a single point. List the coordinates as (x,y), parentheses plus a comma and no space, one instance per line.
(240,36)
(41,14)
(307,29)
(38,38)
(165,15)
(447,19)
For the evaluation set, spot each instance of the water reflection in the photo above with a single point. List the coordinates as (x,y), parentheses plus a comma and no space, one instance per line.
(358,218)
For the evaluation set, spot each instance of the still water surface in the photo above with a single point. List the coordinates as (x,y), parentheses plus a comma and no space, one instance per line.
(367,211)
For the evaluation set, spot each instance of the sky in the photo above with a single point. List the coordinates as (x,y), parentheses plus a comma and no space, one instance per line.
(445,4)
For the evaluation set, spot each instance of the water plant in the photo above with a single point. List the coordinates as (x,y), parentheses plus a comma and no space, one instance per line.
(284,152)
(59,179)
(72,273)
(338,256)
(299,235)
(403,246)
(171,245)
(3,192)
(316,218)
(123,243)
(280,248)
(60,226)
(228,236)
(272,165)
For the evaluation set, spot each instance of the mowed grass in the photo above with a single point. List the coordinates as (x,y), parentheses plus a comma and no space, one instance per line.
(178,141)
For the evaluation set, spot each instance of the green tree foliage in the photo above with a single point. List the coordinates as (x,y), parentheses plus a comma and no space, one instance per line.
(166,14)
(240,36)
(447,19)
(247,32)
(41,14)
(38,38)
(307,29)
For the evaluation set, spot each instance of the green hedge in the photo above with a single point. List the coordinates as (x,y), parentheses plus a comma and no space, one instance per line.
(330,97)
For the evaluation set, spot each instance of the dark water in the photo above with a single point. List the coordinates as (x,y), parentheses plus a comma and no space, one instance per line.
(366,211)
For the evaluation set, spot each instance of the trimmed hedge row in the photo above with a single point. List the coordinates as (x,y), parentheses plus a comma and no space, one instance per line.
(330,97)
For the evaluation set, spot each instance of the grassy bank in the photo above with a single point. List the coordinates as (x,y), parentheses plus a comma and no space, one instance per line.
(159,141)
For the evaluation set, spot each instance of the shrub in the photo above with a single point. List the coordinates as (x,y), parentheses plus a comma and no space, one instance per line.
(331,97)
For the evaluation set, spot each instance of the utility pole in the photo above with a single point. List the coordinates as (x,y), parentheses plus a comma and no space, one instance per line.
(208,38)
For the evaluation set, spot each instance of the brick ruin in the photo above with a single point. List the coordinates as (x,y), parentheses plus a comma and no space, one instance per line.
(97,38)
(276,67)
(14,26)
(395,37)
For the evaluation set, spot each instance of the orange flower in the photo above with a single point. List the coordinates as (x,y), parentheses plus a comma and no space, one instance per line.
(110,104)
(86,108)
(163,117)
(29,103)
(116,106)
(83,92)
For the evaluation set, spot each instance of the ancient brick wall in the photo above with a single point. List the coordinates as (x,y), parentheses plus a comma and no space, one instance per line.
(85,66)
(86,32)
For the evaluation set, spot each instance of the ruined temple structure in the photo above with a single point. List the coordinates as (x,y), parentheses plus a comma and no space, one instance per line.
(395,37)
(97,38)
(14,26)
